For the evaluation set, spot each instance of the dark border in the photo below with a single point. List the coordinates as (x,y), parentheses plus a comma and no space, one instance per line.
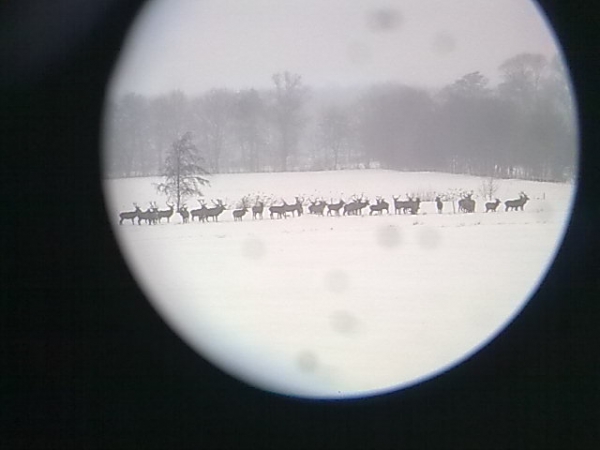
(89,364)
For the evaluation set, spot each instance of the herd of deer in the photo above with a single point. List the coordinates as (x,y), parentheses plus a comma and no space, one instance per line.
(355,206)
(151,216)
(467,204)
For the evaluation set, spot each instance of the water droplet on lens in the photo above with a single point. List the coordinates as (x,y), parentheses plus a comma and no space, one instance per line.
(384,19)
(307,361)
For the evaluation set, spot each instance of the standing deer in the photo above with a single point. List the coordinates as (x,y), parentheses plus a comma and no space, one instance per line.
(406,206)
(317,207)
(439,204)
(351,208)
(257,210)
(279,210)
(355,207)
(362,204)
(299,207)
(238,214)
(166,213)
(466,204)
(401,206)
(295,208)
(491,206)
(415,205)
(334,208)
(154,215)
(150,215)
(199,213)
(379,207)
(215,211)
(129,215)
(518,204)
(184,213)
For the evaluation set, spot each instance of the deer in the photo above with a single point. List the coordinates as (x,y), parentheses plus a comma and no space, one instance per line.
(362,204)
(439,204)
(279,210)
(466,204)
(415,205)
(355,207)
(491,206)
(380,206)
(166,213)
(400,206)
(296,207)
(199,213)
(317,207)
(215,211)
(238,214)
(257,209)
(154,216)
(517,204)
(184,213)
(150,215)
(129,215)
(334,208)
(351,208)
(405,206)
(299,206)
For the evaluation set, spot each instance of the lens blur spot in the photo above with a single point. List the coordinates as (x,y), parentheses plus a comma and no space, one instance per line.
(384,19)
(307,361)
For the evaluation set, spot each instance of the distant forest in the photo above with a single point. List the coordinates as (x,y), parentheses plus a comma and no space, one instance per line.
(524,127)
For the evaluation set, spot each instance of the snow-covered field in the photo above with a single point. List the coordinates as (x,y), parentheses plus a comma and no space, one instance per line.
(342,306)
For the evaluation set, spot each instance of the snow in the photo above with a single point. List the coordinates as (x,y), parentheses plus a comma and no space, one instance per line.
(342,306)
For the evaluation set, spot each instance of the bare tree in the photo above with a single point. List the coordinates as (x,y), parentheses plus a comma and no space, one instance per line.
(471,85)
(523,76)
(394,120)
(183,171)
(334,132)
(215,111)
(128,136)
(249,127)
(289,97)
(488,188)
(170,120)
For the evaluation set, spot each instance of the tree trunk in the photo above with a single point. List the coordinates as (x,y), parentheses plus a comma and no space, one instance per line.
(178,181)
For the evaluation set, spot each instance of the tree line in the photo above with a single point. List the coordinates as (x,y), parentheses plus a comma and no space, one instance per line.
(523,127)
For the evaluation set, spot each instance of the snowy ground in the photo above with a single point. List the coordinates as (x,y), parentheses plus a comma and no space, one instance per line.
(342,306)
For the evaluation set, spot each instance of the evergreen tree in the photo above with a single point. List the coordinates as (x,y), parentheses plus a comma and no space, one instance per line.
(182,171)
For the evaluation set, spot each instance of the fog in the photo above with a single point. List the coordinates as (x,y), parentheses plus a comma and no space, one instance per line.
(475,87)
(195,45)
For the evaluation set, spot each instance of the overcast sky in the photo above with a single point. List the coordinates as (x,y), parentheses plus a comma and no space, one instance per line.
(196,45)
